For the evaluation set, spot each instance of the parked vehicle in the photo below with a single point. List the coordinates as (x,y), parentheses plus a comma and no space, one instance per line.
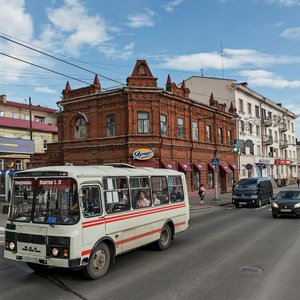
(287,202)
(253,192)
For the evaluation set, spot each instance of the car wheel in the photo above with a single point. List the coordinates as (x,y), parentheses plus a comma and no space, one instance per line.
(165,238)
(98,263)
(37,267)
(270,200)
(275,216)
(259,203)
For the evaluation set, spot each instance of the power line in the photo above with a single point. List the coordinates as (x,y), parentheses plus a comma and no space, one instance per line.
(59,59)
(35,65)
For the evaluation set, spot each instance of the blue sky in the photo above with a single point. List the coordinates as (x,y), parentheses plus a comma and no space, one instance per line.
(259,39)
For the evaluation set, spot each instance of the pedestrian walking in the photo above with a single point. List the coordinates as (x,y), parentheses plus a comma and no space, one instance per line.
(202,192)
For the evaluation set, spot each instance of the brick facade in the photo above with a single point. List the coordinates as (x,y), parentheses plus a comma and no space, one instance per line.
(141,94)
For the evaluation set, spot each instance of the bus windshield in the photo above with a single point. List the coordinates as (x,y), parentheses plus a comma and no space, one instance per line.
(52,201)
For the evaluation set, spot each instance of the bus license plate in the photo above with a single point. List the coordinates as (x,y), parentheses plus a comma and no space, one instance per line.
(30,259)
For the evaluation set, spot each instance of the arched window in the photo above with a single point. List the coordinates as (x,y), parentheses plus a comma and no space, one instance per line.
(80,128)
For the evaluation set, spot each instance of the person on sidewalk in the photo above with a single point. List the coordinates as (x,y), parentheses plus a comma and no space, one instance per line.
(202,192)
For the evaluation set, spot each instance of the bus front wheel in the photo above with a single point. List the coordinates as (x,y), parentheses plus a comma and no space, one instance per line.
(165,238)
(98,263)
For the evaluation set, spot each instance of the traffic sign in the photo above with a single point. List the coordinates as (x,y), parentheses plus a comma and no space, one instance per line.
(215,161)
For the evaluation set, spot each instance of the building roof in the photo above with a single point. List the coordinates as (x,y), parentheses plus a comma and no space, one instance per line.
(24,124)
(26,106)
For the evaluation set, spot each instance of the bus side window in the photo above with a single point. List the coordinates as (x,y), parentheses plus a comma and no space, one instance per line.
(140,192)
(160,190)
(116,194)
(176,189)
(91,201)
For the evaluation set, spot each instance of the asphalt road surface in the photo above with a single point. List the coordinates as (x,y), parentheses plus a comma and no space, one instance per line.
(227,253)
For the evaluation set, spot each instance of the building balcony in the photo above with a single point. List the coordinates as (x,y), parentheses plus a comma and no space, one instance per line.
(283,143)
(283,127)
(267,140)
(267,122)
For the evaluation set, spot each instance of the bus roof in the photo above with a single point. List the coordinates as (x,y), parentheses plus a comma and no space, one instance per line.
(97,170)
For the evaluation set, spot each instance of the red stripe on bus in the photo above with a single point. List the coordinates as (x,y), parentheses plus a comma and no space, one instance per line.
(137,237)
(181,223)
(118,243)
(86,252)
(129,215)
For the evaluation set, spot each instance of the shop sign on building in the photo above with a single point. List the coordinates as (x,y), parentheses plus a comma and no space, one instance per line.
(282,162)
(143,154)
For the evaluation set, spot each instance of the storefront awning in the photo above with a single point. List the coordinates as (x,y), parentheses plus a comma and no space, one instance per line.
(225,168)
(184,166)
(199,167)
(233,167)
(210,166)
(168,165)
(144,163)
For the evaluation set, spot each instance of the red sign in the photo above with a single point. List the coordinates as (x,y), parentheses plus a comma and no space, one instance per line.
(282,162)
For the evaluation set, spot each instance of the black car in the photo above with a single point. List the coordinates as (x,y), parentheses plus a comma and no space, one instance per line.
(287,202)
(254,191)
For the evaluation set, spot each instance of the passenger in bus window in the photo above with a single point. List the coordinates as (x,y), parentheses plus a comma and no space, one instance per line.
(176,195)
(155,200)
(142,201)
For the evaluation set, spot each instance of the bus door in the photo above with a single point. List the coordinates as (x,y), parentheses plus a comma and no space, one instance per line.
(92,214)
(119,221)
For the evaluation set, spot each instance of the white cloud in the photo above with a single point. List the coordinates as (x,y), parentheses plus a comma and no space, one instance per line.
(287,3)
(141,19)
(291,33)
(264,78)
(232,59)
(19,24)
(78,27)
(45,90)
(112,51)
(171,5)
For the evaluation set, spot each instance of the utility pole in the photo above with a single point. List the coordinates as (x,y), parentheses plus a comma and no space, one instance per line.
(30,119)
(216,166)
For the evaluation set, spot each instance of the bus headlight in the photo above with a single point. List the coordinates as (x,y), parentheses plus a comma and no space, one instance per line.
(55,251)
(11,246)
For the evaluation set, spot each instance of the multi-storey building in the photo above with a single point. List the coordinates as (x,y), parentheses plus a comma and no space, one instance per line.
(266,130)
(144,125)
(25,129)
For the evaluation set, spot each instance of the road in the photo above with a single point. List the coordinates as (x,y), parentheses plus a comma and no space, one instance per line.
(227,253)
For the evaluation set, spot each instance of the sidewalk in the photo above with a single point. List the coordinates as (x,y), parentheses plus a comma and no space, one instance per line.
(225,199)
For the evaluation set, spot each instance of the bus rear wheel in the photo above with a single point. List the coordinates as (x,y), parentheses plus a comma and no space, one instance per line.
(98,263)
(165,238)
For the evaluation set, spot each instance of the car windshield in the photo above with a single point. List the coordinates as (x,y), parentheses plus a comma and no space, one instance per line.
(52,201)
(288,195)
(249,185)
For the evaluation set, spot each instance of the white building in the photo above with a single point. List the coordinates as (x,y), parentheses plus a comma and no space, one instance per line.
(266,130)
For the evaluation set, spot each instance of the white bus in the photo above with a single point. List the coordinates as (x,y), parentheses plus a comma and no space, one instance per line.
(84,216)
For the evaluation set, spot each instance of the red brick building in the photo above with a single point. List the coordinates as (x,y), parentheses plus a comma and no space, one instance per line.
(144,125)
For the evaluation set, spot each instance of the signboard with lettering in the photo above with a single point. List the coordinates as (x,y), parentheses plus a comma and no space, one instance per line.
(143,154)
